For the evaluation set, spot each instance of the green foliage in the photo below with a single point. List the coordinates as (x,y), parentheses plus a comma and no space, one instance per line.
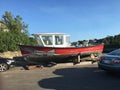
(9,41)
(112,40)
(74,43)
(14,24)
(17,33)
(109,41)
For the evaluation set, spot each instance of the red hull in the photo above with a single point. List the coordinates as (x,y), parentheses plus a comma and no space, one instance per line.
(27,50)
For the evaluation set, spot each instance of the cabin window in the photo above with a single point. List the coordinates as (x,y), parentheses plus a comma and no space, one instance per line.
(47,40)
(58,40)
(38,40)
(67,39)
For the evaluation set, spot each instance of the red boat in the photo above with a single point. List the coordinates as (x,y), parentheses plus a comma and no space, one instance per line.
(56,46)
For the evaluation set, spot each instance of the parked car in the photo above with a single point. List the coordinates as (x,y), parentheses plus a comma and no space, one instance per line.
(5,64)
(110,61)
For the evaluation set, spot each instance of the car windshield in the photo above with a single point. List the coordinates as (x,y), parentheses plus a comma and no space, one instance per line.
(115,52)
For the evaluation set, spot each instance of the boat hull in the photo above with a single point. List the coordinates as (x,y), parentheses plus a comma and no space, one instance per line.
(27,50)
(38,54)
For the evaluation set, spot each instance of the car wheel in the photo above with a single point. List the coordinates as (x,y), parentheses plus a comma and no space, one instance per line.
(3,67)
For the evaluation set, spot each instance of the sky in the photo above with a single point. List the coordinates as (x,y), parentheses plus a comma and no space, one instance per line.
(82,19)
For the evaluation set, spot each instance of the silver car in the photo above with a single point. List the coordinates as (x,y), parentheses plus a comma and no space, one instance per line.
(110,61)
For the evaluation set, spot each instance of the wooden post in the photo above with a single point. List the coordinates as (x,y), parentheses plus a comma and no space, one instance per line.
(79,58)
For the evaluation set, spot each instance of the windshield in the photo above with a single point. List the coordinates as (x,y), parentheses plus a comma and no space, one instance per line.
(47,40)
(58,40)
(115,52)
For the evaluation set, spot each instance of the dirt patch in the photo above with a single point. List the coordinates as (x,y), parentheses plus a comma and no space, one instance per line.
(10,54)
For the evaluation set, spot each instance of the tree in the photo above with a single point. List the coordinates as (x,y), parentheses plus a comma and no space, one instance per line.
(13,31)
(14,24)
(74,43)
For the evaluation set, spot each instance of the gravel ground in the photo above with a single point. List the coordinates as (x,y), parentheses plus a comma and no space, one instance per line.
(19,79)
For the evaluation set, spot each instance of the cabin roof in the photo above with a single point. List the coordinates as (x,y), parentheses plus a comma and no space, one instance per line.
(49,34)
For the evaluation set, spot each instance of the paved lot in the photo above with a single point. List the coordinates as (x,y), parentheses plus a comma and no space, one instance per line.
(60,77)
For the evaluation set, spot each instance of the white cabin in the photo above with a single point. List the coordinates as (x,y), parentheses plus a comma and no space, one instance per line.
(52,39)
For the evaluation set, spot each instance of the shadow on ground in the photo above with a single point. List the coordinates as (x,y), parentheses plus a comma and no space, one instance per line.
(87,78)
